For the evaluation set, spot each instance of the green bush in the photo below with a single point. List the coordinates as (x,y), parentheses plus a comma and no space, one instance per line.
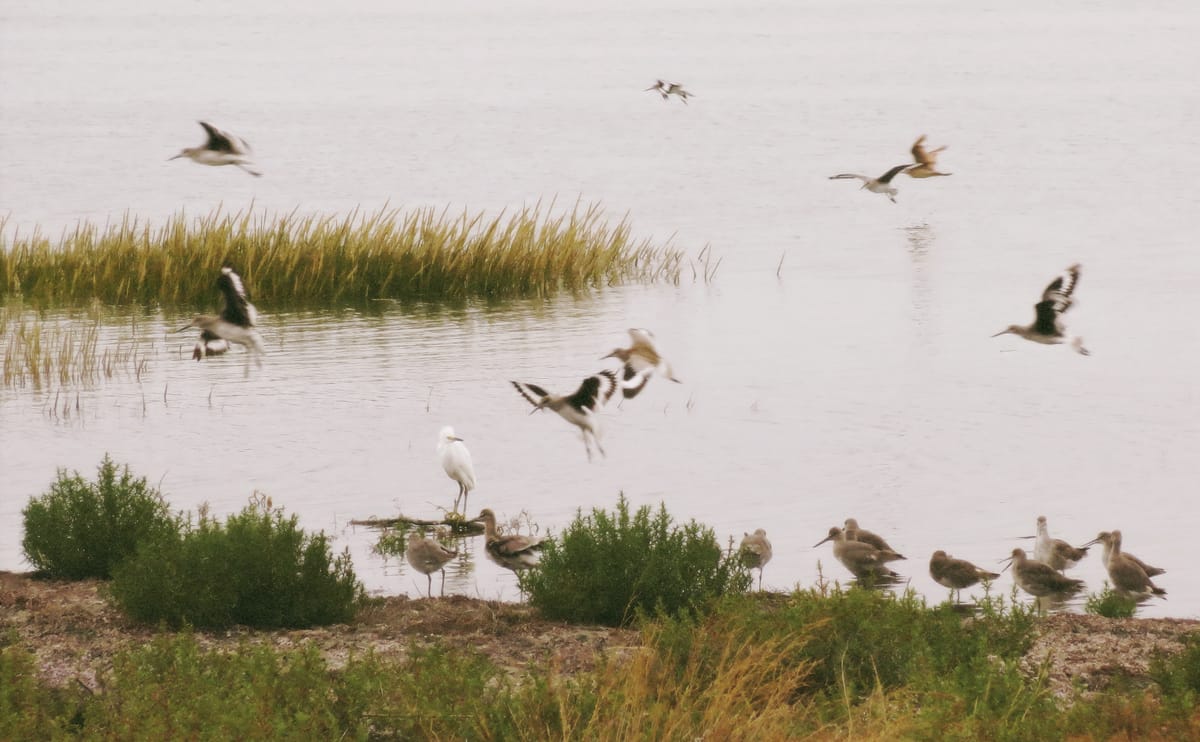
(1110,604)
(1179,675)
(609,568)
(258,569)
(82,529)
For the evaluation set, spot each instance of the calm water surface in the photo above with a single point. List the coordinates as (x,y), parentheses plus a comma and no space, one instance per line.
(858,381)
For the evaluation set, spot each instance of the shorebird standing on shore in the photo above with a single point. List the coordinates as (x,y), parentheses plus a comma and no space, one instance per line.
(755,551)
(666,90)
(581,407)
(1111,540)
(235,323)
(1127,572)
(640,359)
(1039,579)
(854,533)
(863,560)
(1047,327)
(926,160)
(882,184)
(514,551)
(456,461)
(1054,551)
(428,556)
(956,574)
(221,148)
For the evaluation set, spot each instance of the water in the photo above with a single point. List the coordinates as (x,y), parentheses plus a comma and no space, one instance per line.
(856,379)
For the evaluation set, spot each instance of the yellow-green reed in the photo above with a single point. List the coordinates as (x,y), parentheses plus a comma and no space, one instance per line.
(415,254)
(39,353)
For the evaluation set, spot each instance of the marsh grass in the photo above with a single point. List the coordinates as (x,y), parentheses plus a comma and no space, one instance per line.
(750,670)
(415,254)
(41,351)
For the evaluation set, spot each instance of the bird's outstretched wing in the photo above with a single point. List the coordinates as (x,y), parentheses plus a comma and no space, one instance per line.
(1056,299)
(595,390)
(223,141)
(238,309)
(533,393)
(887,177)
(841,176)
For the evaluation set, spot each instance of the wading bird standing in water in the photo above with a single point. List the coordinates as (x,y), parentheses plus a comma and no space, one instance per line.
(222,148)
(428,556)
(235,323)
(926,160)
(456,460)
(1047,327)
(882,184)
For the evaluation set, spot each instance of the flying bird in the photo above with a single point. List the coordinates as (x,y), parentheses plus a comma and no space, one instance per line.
(1047,327)
(456,460)
(221,148)
(666,90)
(235,323)
(641,359)
(926,160)
(882,184)
(579,408)
(428,556)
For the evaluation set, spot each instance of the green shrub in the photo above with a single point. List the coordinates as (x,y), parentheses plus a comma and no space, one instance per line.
(258,569)
(82,529)
(29,710)
(1110,604)
(607,568)
(1179,675)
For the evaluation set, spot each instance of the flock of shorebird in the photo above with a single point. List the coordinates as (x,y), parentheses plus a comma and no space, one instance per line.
(865,554)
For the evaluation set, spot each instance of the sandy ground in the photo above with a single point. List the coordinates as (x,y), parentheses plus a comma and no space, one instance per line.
(74,633)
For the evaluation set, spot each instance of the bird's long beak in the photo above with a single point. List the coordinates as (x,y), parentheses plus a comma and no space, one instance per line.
(185,327)
(176,157)
(455,438)
(1007,563)
(1089,543)
(822,541)
(1024,536)
(1002,332)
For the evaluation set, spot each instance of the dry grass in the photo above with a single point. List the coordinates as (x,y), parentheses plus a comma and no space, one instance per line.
(416,254)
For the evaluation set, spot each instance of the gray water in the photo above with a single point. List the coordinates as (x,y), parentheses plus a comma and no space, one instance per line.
(857,378)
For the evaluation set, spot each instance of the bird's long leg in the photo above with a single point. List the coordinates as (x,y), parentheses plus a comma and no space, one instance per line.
(429,577)
(443,592)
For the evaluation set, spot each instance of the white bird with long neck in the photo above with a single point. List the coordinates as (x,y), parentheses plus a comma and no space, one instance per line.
(221,148)
(882,184)
(456,461)
(1047,327)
